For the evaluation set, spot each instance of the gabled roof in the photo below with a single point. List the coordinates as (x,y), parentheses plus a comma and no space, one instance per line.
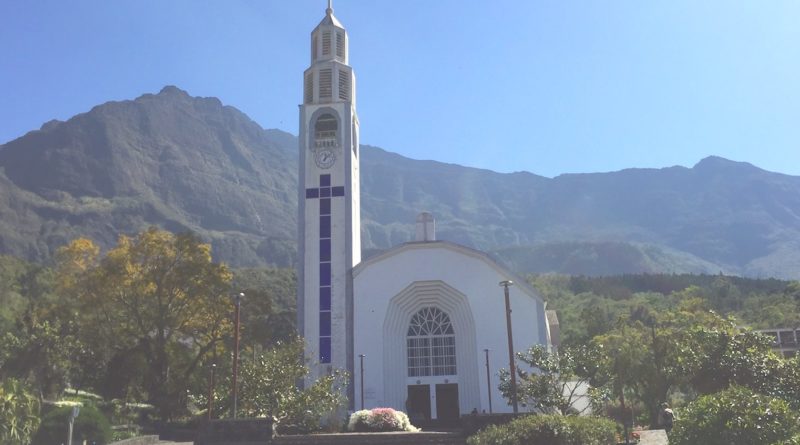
(483,256)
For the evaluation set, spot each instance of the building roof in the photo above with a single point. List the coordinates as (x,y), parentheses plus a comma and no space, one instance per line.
(482,256)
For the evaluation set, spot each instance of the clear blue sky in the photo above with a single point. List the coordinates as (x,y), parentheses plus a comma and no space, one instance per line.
(549,86)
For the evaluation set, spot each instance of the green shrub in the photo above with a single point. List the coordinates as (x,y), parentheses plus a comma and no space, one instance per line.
(793,441)
(549,430)
(90,425)
(19,413)
(735,416)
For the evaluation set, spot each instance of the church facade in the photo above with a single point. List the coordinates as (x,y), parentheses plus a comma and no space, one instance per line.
(421,327)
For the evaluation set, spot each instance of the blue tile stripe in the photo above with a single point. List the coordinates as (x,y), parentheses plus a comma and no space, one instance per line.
(324,193)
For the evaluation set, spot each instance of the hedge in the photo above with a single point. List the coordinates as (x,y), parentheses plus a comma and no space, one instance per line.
(90,425)
(549,430)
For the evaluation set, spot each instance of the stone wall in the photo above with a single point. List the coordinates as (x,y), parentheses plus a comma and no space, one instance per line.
(141,440)
(236,431)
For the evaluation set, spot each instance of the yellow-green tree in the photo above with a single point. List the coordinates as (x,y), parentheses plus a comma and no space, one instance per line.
(156,294)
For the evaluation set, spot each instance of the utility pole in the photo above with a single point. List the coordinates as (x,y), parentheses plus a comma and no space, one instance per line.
(75,411)
(361,356)
(488,381)
(235,389)
(211,391)
(512,368)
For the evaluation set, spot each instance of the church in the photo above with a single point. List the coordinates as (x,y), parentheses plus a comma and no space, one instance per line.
(420,327)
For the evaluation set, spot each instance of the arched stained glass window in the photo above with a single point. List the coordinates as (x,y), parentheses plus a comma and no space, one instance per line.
(431,344)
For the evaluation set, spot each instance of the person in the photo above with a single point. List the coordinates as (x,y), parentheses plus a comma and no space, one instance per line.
(667,417)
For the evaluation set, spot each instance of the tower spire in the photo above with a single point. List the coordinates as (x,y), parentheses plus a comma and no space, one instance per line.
(329,11)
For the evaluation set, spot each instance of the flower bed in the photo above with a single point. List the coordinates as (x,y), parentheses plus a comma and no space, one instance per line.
(380,419)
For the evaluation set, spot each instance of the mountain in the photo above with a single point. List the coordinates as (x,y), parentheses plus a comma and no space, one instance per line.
(189,163)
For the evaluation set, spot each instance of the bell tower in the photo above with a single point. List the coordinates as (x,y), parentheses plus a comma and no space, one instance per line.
(329,219)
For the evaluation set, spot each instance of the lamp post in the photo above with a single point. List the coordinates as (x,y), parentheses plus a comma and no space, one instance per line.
(237,299)
(211,390)
(361,357)
(488,381)
(506,284)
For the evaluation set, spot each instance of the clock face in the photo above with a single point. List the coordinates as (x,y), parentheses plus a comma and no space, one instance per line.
(324,158)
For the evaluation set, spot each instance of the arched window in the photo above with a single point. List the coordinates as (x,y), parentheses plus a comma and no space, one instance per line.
(325,131)
(431,344)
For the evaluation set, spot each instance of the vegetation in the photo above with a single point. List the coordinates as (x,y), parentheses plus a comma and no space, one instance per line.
(90,426)
(378,420)
(19,413)
(736,416)
(142,323)
(559,381)
(158,297)
(269,389)
(646,348)
(550,430)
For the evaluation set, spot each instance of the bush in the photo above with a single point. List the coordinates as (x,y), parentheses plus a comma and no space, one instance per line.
(19,413)
(549,430)
(736,416)
(793,441)
(90,425)
(380,419)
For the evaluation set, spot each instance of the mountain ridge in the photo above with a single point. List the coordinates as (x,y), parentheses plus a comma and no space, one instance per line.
(191,163)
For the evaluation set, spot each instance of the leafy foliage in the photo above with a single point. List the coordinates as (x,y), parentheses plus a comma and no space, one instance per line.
(19,413)
(590,306)
(549,430)
(158,295)
(90,425)
(736,416)
(269,388)
(269,310)
(557,378)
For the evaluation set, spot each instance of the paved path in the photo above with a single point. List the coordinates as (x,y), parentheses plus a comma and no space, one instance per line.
(653,437)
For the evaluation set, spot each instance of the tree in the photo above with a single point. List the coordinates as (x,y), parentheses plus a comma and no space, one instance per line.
(19,413)
(269,388)
(715,356)
(622,359)
(558,381)
(42,352)
(735,416)
(157,294)
(269,310)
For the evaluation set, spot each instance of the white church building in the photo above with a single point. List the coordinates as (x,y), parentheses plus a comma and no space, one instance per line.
(425,320)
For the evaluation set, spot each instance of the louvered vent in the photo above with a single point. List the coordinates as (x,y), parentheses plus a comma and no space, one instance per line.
(340,44)
(326,43)
(314,48)
(344,85)
(308,88)
(325,83)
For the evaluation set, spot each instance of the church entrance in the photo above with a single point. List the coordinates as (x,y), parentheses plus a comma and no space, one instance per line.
(447,402)
(419,404)
(433,404)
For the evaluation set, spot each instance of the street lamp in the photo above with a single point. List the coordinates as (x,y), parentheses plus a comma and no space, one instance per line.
(361,357)
(488,381)
(237,300)
(211,390)
(506,284)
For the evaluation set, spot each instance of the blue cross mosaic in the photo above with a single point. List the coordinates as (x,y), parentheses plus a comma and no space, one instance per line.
(324,193)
